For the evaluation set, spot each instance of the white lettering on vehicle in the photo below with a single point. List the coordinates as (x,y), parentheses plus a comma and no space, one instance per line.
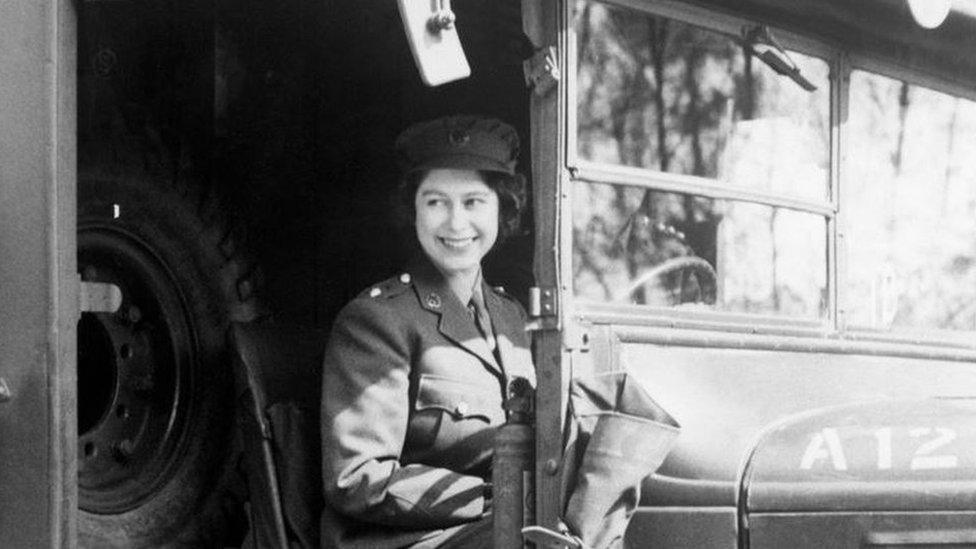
(825,448)
(884,447)
(923,458)
(824,445)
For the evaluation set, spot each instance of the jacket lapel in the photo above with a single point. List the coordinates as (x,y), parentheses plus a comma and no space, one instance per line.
(457,325)
(502,328)
(455,322)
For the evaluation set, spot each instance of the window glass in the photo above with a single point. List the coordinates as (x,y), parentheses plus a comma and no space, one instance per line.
(638,246)
(659,94)
(910,202)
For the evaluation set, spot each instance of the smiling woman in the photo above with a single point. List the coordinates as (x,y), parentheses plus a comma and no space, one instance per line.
(457,222)
(417,367)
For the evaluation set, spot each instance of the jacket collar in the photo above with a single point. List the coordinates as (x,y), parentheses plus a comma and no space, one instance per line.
(455,323)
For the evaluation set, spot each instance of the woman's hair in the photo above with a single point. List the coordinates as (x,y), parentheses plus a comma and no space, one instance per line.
(510,189)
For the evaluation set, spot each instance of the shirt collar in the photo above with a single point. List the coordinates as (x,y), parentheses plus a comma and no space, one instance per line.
(430,280)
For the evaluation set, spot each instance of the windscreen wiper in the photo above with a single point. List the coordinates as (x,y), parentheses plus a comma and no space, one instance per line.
(761,44)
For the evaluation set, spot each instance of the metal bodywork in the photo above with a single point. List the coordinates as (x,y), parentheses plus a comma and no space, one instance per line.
(890,477)
(729,379)
(38,291)
(882,30)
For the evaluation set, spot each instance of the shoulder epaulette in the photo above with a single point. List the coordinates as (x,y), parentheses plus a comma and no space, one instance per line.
(500,291)
(391,287)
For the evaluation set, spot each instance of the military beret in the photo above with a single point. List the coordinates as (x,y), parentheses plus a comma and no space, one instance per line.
(458,142)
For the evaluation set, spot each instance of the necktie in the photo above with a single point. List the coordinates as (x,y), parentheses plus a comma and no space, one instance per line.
(481,318)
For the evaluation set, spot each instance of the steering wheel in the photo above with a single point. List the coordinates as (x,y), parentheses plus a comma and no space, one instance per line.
(688,266)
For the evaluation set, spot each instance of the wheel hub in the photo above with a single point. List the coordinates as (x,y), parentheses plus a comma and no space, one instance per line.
(133,376)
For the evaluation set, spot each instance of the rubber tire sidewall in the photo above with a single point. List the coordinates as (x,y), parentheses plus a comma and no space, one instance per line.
(185,511)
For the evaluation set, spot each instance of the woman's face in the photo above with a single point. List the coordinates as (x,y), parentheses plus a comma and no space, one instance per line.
(457,219)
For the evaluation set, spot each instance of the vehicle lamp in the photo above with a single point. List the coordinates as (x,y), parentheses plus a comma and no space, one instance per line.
(929,14)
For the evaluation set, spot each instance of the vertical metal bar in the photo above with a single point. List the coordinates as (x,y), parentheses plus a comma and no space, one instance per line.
(38,289)
(832,311)
(839,234)
(548,149)
(568,68)
(62,254)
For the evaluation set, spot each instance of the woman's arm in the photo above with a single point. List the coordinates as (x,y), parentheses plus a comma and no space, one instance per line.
(365,408)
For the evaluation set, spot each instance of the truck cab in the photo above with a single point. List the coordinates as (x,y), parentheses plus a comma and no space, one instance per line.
(763,212)
(738,192)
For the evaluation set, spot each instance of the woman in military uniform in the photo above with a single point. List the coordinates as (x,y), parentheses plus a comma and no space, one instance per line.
(416,366)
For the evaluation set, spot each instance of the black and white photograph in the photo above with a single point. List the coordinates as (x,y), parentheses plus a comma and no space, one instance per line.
(488,274)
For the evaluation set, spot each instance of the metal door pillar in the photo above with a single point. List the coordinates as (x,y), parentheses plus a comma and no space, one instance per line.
(38,284)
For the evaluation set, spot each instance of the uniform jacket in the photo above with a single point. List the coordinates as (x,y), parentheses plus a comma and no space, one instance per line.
(411,398)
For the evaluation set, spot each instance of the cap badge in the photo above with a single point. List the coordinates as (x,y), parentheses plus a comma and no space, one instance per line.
(459,138)
(433,301)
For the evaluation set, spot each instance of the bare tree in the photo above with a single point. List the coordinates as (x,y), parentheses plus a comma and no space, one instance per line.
(946,179)
(658,43)
(903,103)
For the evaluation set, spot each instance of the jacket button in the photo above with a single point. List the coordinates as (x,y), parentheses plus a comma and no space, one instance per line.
(461,409)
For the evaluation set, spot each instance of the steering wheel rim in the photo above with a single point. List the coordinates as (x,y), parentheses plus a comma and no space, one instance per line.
(703,271)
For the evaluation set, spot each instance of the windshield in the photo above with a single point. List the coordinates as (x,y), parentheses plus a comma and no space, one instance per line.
(664,95)
(750,257)
(911,198)
(674,99)
(704,180)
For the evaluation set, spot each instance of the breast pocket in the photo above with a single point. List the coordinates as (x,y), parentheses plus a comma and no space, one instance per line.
(460,399)
(454,416)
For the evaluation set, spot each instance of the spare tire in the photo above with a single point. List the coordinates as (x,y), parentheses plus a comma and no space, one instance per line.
(155,386)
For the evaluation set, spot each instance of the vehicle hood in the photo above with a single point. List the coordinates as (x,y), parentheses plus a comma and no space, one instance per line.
(887,455)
